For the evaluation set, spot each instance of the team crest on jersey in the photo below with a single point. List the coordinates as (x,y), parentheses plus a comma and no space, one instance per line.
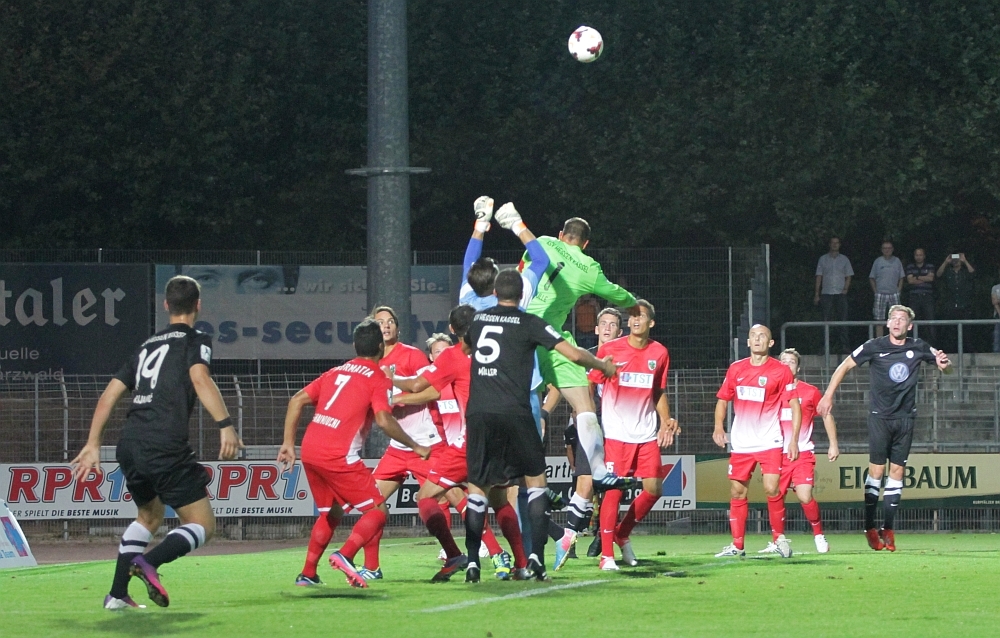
(909,354)
(652,365)
(762,381)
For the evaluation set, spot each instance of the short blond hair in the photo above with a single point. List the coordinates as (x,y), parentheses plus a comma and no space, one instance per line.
(437,336)
(901,308)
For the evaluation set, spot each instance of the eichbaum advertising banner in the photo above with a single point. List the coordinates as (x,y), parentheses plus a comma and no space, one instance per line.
(930,480)
(301,312)
(60,319)
(14,549)
(48,491)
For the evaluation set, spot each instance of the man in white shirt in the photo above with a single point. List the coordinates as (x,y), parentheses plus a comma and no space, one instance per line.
(886,279)
(833,280)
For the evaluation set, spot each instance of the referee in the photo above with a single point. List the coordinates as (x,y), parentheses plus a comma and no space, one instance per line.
(894,364)
(165,375)
(503,443)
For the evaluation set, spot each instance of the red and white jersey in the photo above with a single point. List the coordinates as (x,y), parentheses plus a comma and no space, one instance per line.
(808,396)
(450,374)
(346,399)
(756,393)
(405,362)
(628,401)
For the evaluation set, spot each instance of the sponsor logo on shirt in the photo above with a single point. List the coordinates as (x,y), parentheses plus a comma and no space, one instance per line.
(748,393)
(635,380)
(447,406)
(786,414)
(552,331)
(899,372)
(206,354)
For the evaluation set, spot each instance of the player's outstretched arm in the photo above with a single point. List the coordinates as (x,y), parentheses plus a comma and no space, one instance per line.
(89,457)
(793,445)
(668,425)
(719,435)
(942,361)
(826,403)
(286,455)
(422,397)
(582,357)
(210,397)
(411,384)
(510,219)
(483,207)
(830,425)
(391,427)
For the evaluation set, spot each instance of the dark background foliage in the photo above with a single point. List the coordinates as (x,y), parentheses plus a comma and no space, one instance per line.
(173,123)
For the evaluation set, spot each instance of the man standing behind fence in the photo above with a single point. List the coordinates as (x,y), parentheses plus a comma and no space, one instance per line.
(833,280)
(894,363)
(920,278)
(165,374)
(886,279)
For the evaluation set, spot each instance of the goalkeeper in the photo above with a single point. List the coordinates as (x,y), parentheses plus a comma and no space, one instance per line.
(570,275)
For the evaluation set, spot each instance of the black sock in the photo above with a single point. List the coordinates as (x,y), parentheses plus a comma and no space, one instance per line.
(475,518)
(177,543)
(134,542)
(555,531)
(890,502)
(539,515)
(579,513)
(871,500)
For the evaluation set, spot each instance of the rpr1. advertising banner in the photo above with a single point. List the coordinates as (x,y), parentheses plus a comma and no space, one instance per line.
(70,318)
(48,491)
(301,312)
(930,480)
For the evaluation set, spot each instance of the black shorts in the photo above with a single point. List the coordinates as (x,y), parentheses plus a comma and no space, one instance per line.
(175,477)
(502,447)
(889,439)
(581,464)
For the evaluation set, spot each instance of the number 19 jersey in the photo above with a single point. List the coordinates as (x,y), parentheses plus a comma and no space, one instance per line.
(346,399)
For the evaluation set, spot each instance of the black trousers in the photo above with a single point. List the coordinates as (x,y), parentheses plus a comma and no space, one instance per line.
(834,308)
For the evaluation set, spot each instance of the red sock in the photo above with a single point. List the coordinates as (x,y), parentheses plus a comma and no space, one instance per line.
(507,520)
(609,520)
(438,525)
(371,551)
(776,512)
(738,520)
(811,510)
(369,526)
(491,541)
(640,507)
(322,532)
(446,508)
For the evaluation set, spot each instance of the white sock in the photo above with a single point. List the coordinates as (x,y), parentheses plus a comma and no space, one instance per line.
(588,431)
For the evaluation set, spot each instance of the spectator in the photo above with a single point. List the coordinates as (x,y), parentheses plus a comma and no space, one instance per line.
(995,298)
(886,279)
(920,277)
(586,309)
(833,280)
(956,293)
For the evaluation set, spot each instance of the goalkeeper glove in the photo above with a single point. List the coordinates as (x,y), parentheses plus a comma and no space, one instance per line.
(509,218)
(484,213)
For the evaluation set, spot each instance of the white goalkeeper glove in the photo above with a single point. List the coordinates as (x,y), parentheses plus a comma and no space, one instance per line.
(484,213)
(509,218)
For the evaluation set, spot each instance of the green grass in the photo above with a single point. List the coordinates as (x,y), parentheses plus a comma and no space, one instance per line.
(934,585)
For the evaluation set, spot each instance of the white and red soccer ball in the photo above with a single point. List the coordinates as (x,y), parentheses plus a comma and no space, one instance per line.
(586,44)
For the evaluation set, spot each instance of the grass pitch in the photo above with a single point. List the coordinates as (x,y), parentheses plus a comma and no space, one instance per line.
(933,585)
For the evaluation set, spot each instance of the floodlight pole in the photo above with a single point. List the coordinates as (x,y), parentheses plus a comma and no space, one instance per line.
(388,171)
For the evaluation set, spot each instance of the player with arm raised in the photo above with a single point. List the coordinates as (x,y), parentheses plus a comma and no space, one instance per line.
(630,405)
(756,385)
(894,366)
(165,375)
(570,275)
(800,473)
(503,443)
(345,398)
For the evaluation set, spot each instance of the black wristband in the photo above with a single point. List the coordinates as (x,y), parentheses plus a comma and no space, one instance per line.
(545,415)
(225,423)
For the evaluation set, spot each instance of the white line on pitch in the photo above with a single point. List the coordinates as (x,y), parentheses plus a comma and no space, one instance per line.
(520,594)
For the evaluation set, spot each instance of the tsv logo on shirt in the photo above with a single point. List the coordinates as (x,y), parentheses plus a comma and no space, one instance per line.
(635,380)
(899,372)
(748,393)
(447,406)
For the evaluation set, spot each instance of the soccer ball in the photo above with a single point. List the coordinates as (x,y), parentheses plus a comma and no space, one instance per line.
(586,44)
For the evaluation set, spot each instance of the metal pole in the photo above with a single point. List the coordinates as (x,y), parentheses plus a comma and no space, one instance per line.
(750,307)
(37,420)
(65,396)
(732,334)
(961,365)
(239,410)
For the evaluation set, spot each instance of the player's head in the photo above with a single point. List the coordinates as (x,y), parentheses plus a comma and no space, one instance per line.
(576,231)
(436,343)
(644,320)
(460,318)
(609,325)
(791,358)
(387,320)
(182,296)
(482,275)
(368,340)
(759,340)
(900,318)
(508,286)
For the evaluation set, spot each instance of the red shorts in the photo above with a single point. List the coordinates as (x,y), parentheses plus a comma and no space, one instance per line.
(448,467)
(633,459)
(349,485)
(396,464)
(742,464)
(801,471)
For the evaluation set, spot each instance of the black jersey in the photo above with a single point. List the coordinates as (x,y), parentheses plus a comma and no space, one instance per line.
(894,373)
(163,395)
(503,340)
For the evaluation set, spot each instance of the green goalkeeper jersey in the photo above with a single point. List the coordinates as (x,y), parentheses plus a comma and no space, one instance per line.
(570,275)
